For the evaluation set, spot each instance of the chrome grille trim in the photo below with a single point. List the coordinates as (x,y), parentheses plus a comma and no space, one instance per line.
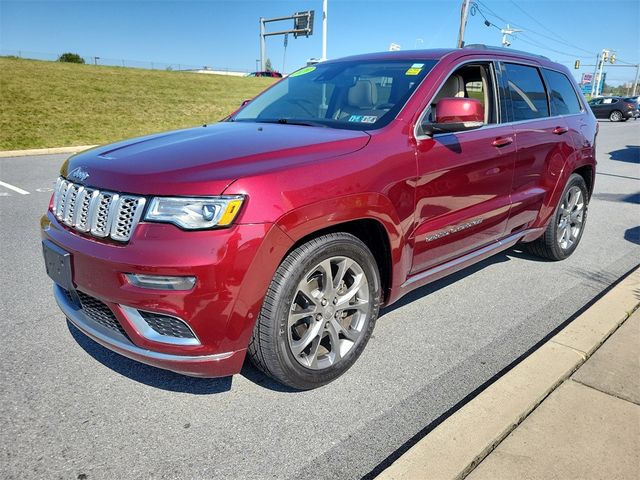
(98,212)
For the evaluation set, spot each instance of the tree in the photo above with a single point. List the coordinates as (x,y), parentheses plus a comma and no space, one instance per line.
(268,67)
(70,58)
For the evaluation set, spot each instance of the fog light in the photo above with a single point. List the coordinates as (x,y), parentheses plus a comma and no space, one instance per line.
(160,282)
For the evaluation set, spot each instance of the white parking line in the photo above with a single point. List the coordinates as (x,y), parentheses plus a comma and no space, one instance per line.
(15,189)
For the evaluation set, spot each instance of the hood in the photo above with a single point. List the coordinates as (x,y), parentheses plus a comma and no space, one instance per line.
(205,160)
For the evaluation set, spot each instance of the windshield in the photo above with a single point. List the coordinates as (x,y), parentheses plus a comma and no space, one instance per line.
(358,95)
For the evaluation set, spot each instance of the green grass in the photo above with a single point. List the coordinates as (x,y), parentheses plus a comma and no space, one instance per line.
(50,104)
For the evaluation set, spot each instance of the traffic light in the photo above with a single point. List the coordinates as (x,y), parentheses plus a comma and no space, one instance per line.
(576,65)
(612,60)
(605,55)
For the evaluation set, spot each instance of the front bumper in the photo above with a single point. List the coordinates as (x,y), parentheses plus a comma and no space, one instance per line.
(215,365)
(233,268)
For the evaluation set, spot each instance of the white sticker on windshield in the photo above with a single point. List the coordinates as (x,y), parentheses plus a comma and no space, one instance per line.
(363,118)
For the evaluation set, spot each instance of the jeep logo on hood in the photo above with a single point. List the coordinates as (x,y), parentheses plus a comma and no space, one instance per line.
(78,174)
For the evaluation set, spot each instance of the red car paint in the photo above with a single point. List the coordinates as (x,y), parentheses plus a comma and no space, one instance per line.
(443,203)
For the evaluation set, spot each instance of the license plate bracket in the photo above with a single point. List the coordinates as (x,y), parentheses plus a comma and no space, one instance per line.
(58,264)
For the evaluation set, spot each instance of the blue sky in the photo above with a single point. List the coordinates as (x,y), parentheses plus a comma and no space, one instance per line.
(225,33)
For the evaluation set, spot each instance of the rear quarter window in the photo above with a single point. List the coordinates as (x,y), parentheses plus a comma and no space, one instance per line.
(562,96)
(525,92)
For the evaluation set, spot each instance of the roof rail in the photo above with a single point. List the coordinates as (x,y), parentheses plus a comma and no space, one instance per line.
(482,46)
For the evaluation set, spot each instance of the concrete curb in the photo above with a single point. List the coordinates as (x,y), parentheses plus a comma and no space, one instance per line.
(44,151)
(456,446)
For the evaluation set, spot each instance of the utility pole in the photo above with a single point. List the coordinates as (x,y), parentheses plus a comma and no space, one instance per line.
(635,82)
(324,30)
(464,12)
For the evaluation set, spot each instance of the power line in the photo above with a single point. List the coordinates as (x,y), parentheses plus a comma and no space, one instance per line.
(566,42)
(528,29)
(556,38)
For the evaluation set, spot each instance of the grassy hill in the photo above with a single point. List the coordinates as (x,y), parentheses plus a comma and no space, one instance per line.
(50,104)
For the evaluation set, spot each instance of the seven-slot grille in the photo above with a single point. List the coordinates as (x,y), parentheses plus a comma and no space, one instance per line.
(100,213)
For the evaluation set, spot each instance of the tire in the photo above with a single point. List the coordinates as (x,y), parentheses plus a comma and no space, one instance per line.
(565,228)
(615,116)
(306,334)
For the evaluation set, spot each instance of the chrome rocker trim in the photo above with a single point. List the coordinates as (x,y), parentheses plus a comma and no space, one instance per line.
(464,261)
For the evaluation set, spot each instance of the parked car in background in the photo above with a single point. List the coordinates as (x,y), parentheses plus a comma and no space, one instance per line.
(279,233)
(635,100)
(616,109)
(265,74)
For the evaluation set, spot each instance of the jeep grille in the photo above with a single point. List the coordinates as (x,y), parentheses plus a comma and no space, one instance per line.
(97,212)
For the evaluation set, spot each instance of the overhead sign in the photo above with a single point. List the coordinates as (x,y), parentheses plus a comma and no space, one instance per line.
(303,21)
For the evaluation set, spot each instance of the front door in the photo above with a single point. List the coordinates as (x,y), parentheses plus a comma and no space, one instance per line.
(464,178)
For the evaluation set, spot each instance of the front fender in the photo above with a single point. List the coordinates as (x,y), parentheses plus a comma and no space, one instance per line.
(308,219)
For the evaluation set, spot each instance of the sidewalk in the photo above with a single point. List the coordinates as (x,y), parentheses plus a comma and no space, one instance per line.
(571,410)
(589,427)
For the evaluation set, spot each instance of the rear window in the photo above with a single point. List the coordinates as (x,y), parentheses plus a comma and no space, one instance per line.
(562,96)
(525,92)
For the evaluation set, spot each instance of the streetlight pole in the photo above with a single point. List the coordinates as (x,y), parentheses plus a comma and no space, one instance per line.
(263,45)
(604,56)
(635,82)
(324,30)
(594,88)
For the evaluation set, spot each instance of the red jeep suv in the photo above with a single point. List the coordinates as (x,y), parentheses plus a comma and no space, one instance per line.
(281,231)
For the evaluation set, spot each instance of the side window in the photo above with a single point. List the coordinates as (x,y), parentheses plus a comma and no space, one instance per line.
(469,81)
(562,96)
(526,92)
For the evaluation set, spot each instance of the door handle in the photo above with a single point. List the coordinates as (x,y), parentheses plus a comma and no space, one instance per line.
(560,130)
(502,142)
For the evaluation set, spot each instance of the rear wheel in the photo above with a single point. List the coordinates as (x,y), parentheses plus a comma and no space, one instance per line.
(615,116)
(565,228)
(319,312)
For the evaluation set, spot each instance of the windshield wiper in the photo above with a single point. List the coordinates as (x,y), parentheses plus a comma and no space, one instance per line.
(291,121)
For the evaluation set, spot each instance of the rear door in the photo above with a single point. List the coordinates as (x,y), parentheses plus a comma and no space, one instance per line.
(543,143)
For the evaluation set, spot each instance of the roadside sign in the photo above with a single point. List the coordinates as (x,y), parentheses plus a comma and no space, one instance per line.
(586,78)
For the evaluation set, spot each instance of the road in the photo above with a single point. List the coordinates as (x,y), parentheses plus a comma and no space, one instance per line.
(71,409)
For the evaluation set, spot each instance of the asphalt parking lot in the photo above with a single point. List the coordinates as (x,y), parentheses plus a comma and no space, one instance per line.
(71,409)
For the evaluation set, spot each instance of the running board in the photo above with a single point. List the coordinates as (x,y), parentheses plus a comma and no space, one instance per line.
(459,263)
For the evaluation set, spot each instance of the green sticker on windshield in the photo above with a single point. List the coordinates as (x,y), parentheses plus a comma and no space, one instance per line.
(303,71)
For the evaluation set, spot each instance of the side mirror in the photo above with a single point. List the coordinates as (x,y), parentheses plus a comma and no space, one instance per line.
(456,115)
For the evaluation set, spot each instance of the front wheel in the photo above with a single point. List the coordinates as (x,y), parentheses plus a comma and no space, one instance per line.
(615,116)
(319,312)
(565,228)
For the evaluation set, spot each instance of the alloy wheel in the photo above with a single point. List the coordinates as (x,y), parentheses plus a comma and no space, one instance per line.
(328,312)
(571,218)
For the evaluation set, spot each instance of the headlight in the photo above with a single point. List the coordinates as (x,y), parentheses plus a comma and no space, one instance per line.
(195,213)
